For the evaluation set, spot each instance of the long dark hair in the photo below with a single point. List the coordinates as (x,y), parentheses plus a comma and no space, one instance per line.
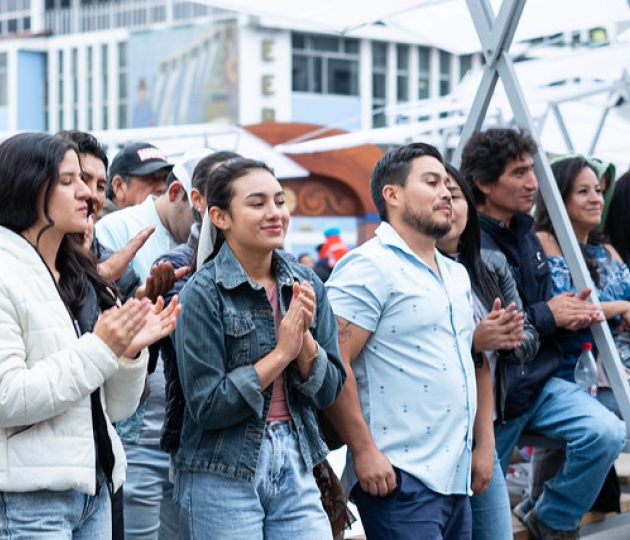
(29,167)
(617,227)
(469,248)
(220,188)
(565,171)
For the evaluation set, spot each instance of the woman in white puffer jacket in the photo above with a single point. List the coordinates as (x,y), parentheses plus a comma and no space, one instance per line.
(60,388)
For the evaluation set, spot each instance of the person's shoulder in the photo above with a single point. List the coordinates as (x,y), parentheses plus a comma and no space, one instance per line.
(613,252)
(549,244)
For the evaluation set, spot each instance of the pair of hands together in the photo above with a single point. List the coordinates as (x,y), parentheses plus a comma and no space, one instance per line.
(143,320)
(128,329)
(294,336)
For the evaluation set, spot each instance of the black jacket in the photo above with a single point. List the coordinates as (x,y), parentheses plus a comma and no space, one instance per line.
(530,270)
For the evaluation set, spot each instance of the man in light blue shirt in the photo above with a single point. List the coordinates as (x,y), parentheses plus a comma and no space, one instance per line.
(405,322)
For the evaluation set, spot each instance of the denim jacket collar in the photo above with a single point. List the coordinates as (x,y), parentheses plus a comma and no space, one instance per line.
(230,273)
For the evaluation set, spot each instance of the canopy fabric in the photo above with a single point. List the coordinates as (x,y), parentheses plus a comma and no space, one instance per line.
(441,23)
(175,140)
(581,104)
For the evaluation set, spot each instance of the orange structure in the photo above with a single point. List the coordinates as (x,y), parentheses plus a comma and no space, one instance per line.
(339,183)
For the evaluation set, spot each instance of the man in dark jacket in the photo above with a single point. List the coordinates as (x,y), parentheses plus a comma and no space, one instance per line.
(498,164)
(193,172)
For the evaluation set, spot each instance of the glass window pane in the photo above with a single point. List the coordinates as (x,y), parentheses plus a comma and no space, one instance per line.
(343,77)
(445,87)
(402,57)
(402,88)
(378,119)
(424,60)
(300,73)
(4,100)
(122,85)
(122,55)
(465,64)
(298,41)
(423,88)
(379,55)
(351,46)
(378,86)
(323,43)
(317,76)
(445,63)
(122,116)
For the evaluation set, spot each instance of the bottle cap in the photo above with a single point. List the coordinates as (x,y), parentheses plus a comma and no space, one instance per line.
(586,346)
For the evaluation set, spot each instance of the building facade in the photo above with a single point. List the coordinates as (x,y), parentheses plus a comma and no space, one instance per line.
(106,64)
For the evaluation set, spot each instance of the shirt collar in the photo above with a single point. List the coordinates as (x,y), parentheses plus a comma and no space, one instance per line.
(230,273)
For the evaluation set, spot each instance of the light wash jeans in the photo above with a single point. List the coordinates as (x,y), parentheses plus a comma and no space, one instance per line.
(150,512)
(491,515)
(56,515)
(283,501)
(594,437)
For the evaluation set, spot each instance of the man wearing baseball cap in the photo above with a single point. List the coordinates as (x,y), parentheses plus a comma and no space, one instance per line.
(138,170)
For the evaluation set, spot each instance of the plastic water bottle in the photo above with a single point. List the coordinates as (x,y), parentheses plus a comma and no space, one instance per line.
(586,370)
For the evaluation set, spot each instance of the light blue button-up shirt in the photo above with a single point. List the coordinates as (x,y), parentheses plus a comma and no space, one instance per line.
(415,375)
(115,230)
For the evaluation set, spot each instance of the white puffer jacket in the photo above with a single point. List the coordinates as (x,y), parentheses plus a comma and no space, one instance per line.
(46,377)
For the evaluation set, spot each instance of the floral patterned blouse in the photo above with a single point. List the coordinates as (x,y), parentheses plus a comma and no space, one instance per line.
(614,284)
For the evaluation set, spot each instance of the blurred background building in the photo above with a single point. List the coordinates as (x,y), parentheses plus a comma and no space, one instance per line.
(108,66)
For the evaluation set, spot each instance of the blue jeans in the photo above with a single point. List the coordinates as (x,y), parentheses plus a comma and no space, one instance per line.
(283,501)
(56,515)
(413,511)
(150,512)
(491,515)
(594,437)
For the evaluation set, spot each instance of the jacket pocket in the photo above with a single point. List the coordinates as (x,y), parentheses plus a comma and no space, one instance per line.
(239,334)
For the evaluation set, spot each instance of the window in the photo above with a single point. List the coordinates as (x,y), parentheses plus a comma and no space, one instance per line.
(122,85)
(105,85)
(402,73)
(46,94)
(60,69)
(325,65)
(379,83)
(424,71)
(75,88)
(465,65)
(445,73)
(4,80)
(90,87)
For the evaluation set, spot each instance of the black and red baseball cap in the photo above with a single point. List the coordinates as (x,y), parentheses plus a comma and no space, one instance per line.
(138,159)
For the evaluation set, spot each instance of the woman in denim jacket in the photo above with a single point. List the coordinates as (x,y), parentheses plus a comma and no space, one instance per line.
(258,356)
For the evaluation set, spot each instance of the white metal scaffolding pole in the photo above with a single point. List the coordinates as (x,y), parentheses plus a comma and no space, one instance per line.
(496,35)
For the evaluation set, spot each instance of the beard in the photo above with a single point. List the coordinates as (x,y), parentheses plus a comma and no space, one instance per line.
(425,225)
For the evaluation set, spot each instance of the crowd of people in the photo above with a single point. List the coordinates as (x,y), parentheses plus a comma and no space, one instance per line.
(168,370)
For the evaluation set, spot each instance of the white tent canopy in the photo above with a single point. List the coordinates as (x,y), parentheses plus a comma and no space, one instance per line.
(576,108)
(442,23)
(175,140)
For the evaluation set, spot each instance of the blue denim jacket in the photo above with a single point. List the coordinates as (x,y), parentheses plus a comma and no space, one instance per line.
(225,327)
